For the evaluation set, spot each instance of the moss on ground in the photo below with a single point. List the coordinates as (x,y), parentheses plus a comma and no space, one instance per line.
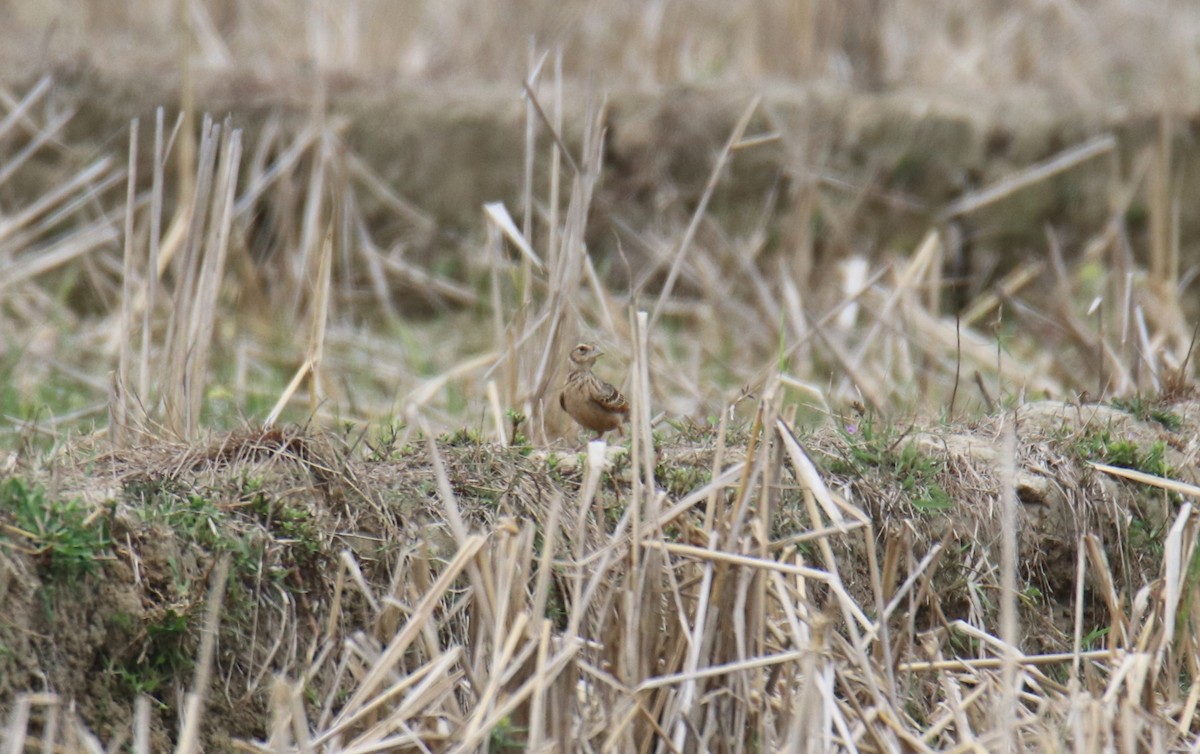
(107,562)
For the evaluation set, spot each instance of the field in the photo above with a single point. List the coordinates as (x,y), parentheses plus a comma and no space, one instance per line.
(902,296)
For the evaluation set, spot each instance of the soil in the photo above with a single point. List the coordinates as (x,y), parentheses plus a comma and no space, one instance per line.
(283,506)
(886,165)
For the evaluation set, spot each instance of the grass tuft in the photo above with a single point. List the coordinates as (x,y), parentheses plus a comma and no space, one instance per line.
(67,538)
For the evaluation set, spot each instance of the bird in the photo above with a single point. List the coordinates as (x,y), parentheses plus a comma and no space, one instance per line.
(590,401)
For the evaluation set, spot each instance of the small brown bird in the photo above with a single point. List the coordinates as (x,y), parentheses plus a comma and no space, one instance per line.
(592,402)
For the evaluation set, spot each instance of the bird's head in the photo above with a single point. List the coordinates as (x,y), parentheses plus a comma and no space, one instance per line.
(585,354)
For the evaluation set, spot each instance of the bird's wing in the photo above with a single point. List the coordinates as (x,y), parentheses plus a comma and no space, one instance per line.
(608,398)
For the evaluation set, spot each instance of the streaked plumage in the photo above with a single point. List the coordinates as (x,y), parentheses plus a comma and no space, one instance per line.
(590,401)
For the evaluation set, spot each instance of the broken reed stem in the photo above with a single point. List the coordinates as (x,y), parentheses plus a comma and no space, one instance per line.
(1164,259)
(316,338)
(320,316)
(695,649)
(119,429)
(1061,162)
(493,399)
(484,598)
(194,701)
(1080,572)
(642,407)
(203,317)
(495,254)
(553,253)
(538,704)
(141,725)
(993,663)
(636,449)
(177,389)
(768,564)
(1008,586)
(724,669)
(535,70)
(18,725)
(187,104)
(739,130)
(1176,556)
(877,588)
(151,279)
(562,147)
(541,590)
(399,643)
(43,135)
(1170,485)
(20,112)
(566,279)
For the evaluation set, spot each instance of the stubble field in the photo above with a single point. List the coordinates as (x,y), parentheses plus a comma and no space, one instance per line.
(905,310)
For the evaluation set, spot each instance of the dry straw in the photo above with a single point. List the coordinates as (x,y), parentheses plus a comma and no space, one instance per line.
(620,614)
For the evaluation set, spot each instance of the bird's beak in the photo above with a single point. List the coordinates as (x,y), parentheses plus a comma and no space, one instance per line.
(598,352)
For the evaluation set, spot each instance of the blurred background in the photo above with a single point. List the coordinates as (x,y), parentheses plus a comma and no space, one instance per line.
(1107,53)
(879,199)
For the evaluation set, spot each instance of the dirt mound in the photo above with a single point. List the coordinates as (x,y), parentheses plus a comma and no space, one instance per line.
(882,167)
(106,562)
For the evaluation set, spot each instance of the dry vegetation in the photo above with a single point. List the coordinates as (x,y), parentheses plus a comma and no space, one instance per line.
(914,427)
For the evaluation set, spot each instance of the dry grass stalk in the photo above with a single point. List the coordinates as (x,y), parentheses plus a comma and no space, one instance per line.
(556,155)
(43,136)
(176,391)
(151,278)
(561,282)
(498,214)
(211,274)
(119,406)
(536,63)
(1061,162)
(320,317)
(194,701)
(734,636)
(1164,242)
(1008,287)
(1007,712)
(1170,485)
(689,235)
(19,112)
(627,635)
